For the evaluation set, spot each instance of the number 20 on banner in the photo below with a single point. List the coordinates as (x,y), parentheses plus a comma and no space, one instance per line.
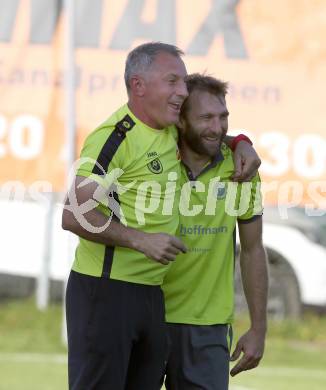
(22,137)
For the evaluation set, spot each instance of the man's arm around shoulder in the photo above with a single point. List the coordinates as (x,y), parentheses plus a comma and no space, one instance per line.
(81,217)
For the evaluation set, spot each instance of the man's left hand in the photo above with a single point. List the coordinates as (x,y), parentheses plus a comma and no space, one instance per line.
(251,344)
(246,162)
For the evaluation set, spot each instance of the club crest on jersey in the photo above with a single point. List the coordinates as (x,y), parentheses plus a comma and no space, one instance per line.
(220,190)
(155,166)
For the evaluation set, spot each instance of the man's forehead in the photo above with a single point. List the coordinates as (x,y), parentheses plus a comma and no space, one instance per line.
(169,64)
(202,99)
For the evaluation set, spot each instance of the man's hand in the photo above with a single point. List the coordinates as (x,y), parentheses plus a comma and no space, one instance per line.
(252,345)
(160,247)
(246,162)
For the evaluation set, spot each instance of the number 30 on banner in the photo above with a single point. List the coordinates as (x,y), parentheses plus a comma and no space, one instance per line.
(22,138)
(304,154)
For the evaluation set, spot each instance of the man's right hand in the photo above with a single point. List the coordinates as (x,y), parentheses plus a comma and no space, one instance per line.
(160,247)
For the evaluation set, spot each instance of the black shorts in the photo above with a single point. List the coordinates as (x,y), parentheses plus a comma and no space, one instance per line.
(116,334)
(198,357)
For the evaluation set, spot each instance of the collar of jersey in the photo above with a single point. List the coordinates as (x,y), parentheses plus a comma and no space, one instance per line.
(216,159)
(139,122)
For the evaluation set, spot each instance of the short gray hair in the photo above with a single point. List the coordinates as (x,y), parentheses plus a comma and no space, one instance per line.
(142,56)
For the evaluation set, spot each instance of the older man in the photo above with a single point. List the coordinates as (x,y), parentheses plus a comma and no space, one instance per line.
(115,307)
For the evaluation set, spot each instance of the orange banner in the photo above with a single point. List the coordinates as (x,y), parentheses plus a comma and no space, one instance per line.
(272,53)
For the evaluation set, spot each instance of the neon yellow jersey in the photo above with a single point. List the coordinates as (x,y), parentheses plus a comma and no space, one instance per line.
(135,162)
(198,287)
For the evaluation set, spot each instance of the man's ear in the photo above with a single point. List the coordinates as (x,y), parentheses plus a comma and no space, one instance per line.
(137,85)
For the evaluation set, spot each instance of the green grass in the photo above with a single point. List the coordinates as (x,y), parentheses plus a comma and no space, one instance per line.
(32,375)
(24,328)
(32,356)
(287,365)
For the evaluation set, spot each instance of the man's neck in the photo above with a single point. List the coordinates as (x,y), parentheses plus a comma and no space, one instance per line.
(193,160)
(138,110)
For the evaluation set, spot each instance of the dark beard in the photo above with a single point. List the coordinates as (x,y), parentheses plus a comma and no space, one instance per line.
(195,143)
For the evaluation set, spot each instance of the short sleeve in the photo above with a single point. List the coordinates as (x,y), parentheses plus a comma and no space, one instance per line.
(251,198)
(101,156)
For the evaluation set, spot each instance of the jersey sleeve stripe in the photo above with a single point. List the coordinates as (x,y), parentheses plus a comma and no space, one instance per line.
(109,250)
(108,260)
(112,145)
(102,165)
